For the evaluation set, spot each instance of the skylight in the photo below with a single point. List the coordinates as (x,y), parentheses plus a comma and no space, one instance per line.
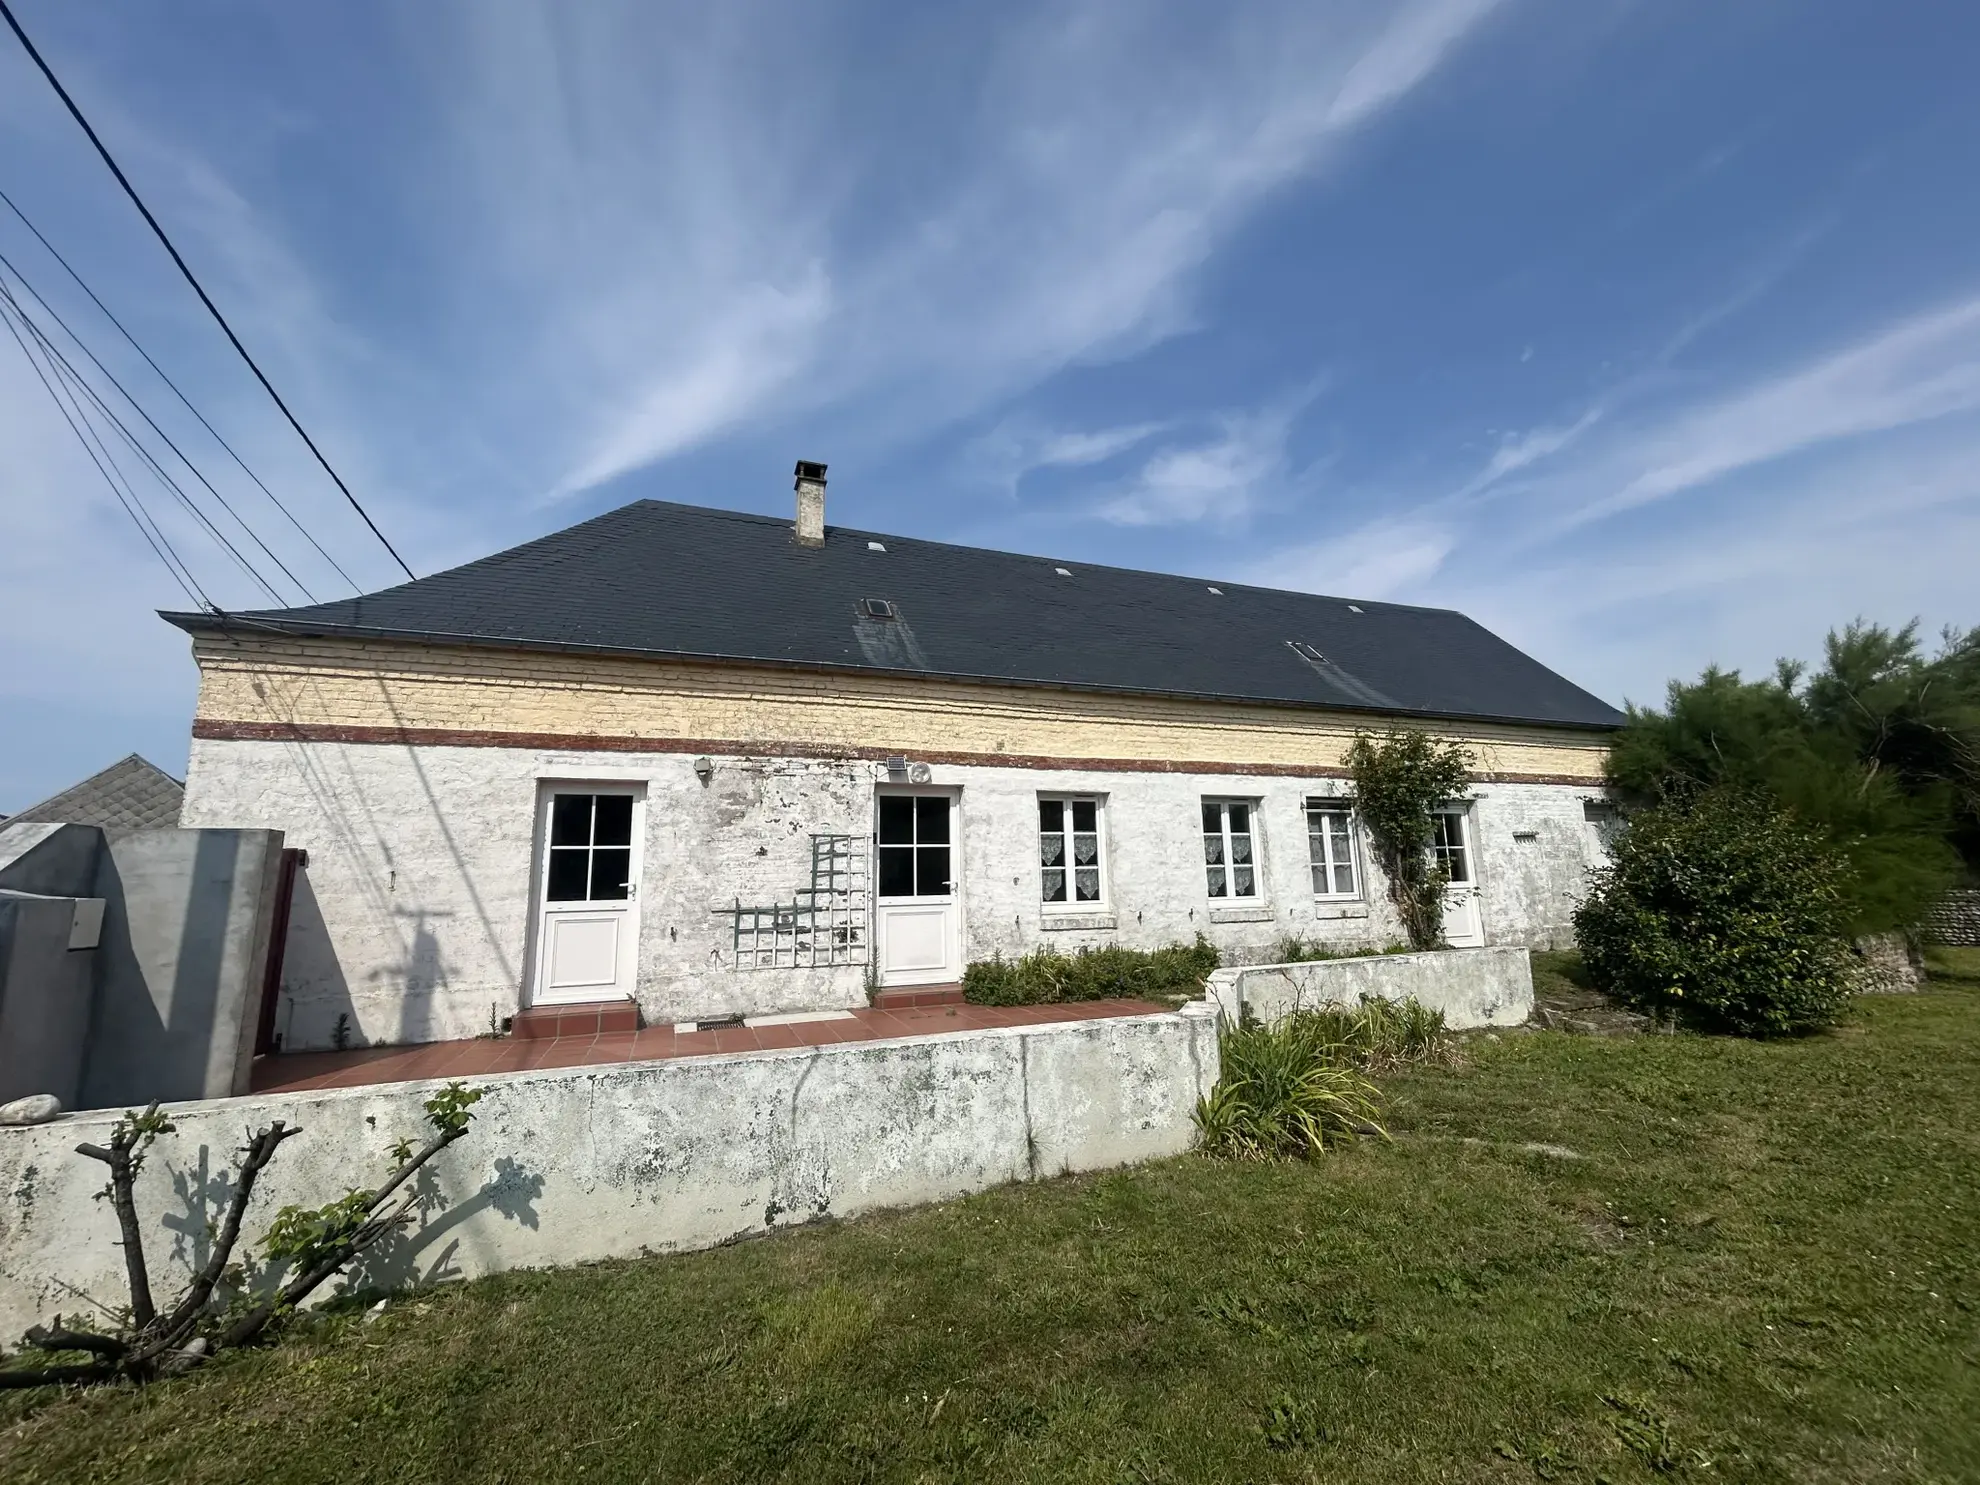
(876,546)
(878,608)
(1063,571)
(1218,591)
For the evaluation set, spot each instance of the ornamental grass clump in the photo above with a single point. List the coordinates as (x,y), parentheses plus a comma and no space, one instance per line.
(1722,910)
(1048,977)
(1286,1092)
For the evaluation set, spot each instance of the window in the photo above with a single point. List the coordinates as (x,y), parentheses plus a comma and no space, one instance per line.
(914,845)
(590,848)
(1069,852)
(878,608)
(1228,861)
(1330,841)
(1449,848)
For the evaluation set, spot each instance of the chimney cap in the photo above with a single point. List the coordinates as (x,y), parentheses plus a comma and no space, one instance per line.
(806,470)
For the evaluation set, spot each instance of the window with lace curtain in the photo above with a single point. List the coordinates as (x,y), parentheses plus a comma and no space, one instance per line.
(1071,868)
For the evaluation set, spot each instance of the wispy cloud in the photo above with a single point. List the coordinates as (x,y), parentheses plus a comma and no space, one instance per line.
(1383,559)
(1925,368)
(1108,152)
(1017,447)
(1220,479)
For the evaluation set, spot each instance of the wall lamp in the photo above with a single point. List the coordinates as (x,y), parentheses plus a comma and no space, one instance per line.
(703,769)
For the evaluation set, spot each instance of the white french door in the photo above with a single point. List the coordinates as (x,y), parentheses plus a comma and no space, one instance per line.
(917,908)
(1464,924)
(587,942)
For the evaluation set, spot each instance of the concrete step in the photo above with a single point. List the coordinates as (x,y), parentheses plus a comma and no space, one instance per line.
(905,997)
(582,1018)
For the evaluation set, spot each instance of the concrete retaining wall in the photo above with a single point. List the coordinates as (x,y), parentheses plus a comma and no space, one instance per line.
(586,1163)
(1472,987)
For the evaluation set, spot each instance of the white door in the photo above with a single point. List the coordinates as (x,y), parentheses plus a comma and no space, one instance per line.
(588,936)
(1464,926)
(917,929)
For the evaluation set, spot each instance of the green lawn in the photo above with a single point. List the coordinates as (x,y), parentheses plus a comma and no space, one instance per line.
(1762,1266)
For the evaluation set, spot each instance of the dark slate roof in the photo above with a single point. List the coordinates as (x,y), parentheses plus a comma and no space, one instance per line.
(654,578)
(130,794)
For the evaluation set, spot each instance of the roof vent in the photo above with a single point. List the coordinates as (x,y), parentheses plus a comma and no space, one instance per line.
(876,546)
(1218,591)
(1063,571)
(810,487)
(878,608)
(1354,608)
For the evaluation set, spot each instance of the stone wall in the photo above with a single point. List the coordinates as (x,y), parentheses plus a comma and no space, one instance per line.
(413,919)
(1472,987)
(1956,920)
(586,1163)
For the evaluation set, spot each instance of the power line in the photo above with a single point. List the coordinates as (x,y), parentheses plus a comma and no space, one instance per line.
(205,299)
(197,473)
(79,384)
(180,574)
(82,284)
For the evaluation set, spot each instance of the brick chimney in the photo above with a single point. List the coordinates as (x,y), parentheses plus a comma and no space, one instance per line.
(810,529)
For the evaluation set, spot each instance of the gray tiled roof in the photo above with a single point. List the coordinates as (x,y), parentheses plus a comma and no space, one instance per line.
(130,794)
(654,578)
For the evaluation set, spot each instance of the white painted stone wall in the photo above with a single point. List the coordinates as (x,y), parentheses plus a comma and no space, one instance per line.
(414,918)
(1472,987)
(586,1163)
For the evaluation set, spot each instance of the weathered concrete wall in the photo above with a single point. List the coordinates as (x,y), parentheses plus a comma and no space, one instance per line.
(53,860)
(1472,987)
(414,919)
(179,972)
(45,990)
(586,1163)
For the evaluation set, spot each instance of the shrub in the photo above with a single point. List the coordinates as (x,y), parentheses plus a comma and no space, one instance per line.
(1296,950)
(1381,1033)
(1048,977)
(1286,1092)
(1722,909)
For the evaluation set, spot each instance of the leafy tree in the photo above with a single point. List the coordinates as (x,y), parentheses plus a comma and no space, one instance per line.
(1878,752)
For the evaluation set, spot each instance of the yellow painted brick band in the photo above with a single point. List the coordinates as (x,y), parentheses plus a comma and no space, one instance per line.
(320,685)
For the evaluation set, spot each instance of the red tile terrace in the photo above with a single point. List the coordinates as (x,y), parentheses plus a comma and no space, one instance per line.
(575,1041)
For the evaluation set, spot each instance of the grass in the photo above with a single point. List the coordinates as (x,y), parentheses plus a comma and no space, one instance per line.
(1581,1258)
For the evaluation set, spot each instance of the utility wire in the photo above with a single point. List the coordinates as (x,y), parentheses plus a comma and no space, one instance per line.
(172,563)
(54,253)
(111,377)
(213,309)
(79,385)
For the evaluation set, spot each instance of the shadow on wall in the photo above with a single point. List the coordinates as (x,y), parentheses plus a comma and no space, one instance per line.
(424,1251)
(315,996)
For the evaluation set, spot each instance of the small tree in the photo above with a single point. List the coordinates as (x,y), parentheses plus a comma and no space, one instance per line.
(316,1245)
(1399,780)
(1721,908)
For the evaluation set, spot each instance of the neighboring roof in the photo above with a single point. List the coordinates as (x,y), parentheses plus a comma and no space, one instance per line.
(131,794)
(659,579)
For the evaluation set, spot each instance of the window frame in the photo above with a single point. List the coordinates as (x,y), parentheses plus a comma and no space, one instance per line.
(1253,833)
(1071,903)
(1322,804)
(1468,844)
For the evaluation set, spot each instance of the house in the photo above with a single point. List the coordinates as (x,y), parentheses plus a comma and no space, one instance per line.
(720,764)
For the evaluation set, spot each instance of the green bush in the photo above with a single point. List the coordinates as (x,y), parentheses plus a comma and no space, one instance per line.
(1285,1092)
(1724,910)
(1296,950)
(1048,977)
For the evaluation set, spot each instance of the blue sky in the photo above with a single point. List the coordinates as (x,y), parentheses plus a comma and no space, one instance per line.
(1648,334)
